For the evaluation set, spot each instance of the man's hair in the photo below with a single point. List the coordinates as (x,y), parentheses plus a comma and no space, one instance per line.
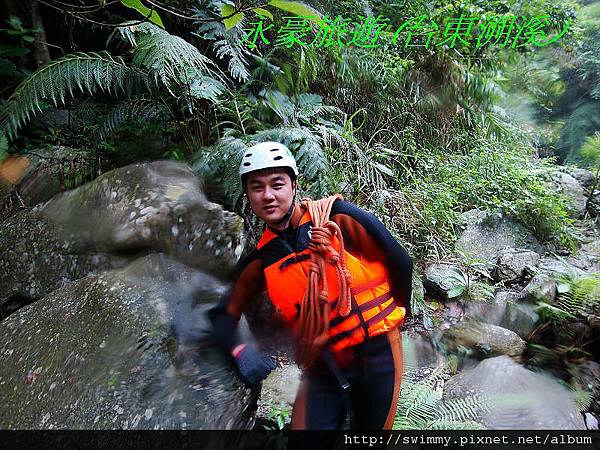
(269,171)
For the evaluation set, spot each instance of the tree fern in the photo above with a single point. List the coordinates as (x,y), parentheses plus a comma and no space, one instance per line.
(123,112)
(61,79)
(217,167)
(170,59)
(227,44)
(420,405)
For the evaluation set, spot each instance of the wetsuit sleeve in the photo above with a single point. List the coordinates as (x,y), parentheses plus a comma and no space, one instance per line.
(366,237)
(247,284)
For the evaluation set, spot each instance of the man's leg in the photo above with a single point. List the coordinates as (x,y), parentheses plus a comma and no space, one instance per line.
(319,404)
(375,396)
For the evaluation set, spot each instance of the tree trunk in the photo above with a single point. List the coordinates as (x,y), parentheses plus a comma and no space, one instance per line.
(29,12)
(41,55)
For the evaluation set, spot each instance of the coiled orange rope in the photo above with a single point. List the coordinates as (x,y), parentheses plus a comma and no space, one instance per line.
(312,328)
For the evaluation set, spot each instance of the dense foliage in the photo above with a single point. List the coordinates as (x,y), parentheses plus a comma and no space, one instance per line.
(418,135)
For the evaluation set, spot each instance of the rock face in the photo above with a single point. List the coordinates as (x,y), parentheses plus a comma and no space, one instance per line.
(490,312)
(123,214)
(571,189)
(36,259)
(484,339)
(583,176)
(487,235)
(440,279)
(121,350)
(155,206)
(35,178)
(513,265)
(540,288)
(520,317)
(526,400)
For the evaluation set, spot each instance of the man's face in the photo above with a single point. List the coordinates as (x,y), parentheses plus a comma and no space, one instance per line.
(270,195)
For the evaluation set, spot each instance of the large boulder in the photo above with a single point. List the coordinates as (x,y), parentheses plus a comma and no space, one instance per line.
(483,339)
(584,177)
(513,265)
(540,288)
(440,279)
(121,350)
(489,234)
(520,316)
(121,215)
(36,258)
(517,398)
(572,190)
(156,206)
(491,312)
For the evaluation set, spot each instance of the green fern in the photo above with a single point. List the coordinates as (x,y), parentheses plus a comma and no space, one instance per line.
(583,398)
(170,59)
(217,167)
(578,297)
(61,79)
(123,112)
(227,44)
(420,405)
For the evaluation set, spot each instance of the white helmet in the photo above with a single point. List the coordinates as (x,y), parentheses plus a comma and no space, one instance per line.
(265,155)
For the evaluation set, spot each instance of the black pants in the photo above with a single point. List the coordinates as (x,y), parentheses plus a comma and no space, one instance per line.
(374,373)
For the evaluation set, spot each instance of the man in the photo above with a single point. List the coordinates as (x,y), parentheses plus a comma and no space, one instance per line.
(352,359)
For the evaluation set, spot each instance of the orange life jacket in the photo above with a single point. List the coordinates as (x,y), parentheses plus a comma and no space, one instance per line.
(286,271)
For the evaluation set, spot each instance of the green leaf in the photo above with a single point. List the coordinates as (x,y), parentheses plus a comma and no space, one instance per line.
(456,291)
(144,11)
(263,12)
(296,8)
(12,50)
(3,146)
(385,169)
(232,21)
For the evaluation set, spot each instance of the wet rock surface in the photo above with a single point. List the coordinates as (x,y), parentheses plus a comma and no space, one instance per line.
(121,215)
(119,350)
(440,279)
(483,339)
(521,399)
(513,265)
(488,234)
(35,259)
(156,206)
(572,189)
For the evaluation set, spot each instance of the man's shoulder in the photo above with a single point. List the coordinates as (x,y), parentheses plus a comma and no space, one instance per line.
(344,207)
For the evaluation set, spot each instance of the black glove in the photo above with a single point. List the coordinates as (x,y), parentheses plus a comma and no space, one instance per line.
(254,366)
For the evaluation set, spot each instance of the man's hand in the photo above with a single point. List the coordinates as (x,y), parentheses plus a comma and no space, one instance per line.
(254,366)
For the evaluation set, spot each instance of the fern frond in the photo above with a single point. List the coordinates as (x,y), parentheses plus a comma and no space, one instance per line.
(465,409)
(140,109)
(170,59)
(228,43)
(203,87)
(129,31)
(61,78)
(218,166)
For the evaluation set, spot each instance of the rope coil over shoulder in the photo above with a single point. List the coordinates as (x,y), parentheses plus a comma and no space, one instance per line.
(312,327)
